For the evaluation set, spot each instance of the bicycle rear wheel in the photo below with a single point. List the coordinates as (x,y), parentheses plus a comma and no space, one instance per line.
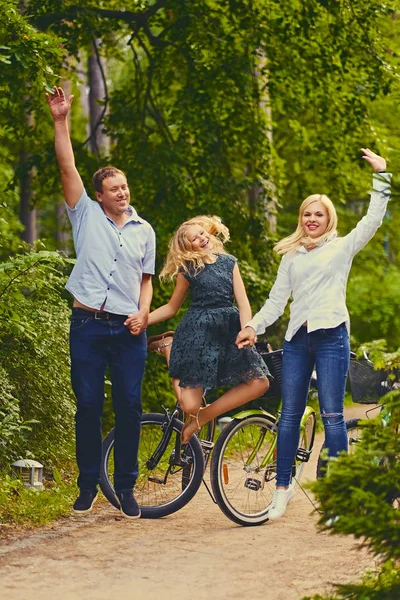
(166,488)
(242,485)
(354,432)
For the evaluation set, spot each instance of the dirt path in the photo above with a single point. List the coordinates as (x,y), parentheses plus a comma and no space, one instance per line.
(196,553)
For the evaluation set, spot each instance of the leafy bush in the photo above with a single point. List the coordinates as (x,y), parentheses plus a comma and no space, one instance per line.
(20,505)
(36,401)
(362,492)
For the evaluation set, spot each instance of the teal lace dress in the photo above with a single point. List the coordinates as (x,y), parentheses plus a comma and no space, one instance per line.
(204,353)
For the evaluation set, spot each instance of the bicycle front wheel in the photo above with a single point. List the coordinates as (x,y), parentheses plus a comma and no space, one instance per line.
(243,469)
(306,443)
(165,488)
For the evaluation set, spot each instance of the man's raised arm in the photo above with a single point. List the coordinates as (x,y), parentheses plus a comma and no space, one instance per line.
(70,178)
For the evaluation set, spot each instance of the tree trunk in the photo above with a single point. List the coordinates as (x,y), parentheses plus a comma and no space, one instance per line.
(27,212)
(99,142)
(265,193)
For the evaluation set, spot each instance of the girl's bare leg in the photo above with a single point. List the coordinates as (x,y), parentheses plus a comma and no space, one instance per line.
(240,394)
(190,403)
(177,390)
(190,400)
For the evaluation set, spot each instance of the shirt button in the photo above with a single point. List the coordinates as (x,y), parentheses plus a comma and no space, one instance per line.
(120,245)
(110,274)
(108,288)
(115,260)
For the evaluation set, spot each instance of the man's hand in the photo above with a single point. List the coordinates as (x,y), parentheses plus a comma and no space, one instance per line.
(137,322)
(377,162)
(59,105)
(247,337)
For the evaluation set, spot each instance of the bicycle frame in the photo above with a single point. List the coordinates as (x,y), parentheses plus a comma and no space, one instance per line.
(271,454)
(158,453)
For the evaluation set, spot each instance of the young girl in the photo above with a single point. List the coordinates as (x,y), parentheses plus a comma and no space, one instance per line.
(204,354)
(314,270)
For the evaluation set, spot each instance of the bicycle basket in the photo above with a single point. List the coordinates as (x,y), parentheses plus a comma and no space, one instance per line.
(273,360)
(367,385)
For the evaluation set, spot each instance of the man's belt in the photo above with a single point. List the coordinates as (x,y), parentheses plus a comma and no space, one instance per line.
(98,315)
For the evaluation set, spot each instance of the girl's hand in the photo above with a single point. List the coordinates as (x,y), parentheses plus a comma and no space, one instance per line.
(137,322)
(247,337)
(377,162)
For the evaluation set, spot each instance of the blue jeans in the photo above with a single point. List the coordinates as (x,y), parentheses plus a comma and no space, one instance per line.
(94,346)
(329,351)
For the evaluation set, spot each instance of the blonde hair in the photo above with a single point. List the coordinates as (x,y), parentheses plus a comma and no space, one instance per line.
(181,256)
(298,238)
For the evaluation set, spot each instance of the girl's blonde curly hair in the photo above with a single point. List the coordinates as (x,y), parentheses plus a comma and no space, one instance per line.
(181,257)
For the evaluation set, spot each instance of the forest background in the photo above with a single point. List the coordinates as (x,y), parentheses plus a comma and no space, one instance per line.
(239,108)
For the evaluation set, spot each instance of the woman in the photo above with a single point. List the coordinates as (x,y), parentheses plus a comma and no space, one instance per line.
(314,270)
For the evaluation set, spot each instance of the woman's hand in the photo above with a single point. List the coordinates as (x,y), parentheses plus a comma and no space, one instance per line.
(246,337)
(377,162)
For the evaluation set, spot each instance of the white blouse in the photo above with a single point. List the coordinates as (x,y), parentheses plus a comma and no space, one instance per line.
(317,279)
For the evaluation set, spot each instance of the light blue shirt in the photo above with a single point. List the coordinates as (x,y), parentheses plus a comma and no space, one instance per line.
(110,261)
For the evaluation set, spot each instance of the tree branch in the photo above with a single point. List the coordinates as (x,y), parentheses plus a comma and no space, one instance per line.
(127,16)
(19,274)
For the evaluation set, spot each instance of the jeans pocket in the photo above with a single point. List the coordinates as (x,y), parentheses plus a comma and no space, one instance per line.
(333,332)
(78,323)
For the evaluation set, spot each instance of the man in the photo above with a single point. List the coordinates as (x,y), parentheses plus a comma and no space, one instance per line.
(110,283)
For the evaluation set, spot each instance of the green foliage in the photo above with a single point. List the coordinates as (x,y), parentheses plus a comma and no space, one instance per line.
(362,492)
(384,586)
(35,393)
(26,56)
(29,507)
(240,109)
(12,428)
(216,107)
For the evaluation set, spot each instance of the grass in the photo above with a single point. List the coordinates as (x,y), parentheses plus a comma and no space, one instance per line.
(27,507)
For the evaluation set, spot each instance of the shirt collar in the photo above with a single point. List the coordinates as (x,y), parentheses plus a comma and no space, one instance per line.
(130,211)
(133,216)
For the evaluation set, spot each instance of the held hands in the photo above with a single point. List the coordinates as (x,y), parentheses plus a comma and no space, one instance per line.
(377,162)
(247,337)
(137,322)
(58,103)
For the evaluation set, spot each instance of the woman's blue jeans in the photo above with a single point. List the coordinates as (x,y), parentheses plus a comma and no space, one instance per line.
(329,351)
(94,346)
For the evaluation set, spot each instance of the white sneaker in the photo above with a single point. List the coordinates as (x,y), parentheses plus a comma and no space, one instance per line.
(280,500)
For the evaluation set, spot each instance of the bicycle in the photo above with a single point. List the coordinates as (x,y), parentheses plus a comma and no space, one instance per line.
(170,474)
(243,463)
(367,386)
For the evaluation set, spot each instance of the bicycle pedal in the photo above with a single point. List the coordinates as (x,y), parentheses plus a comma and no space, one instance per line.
(252,484)
(303,455)
(206,445)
